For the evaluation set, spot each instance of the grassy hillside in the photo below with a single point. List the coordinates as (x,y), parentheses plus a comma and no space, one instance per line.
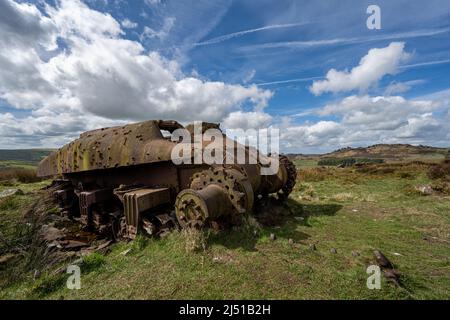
(345,213)
(391,152)
(8,164)
(22,157)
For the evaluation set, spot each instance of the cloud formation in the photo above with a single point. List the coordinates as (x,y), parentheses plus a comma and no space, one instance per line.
(95,77)
(150,33)
(128,24)
(400,87)
(247,120)
(365,120)
(372,67)
(22,23)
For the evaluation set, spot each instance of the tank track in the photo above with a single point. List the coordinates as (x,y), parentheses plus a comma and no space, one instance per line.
(291,169)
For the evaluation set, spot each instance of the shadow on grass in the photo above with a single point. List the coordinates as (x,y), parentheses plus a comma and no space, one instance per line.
(282,219)
(307,210)
(48,285)
(236,238)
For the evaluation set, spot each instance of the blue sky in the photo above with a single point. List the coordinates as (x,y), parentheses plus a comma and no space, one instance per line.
(266,55)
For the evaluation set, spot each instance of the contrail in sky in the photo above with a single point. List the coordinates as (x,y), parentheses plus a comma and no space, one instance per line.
(288,81)
(424,64)
(338,41)
(229,36)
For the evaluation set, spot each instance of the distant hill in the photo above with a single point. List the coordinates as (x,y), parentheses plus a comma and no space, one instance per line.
(31,156)
(387,151)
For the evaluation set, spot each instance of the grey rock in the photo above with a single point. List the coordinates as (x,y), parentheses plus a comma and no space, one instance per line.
(10,192)
(425,190)
(382,260)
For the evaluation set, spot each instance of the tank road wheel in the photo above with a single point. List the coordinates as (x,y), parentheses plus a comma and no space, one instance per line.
(191,209)
(238,187)
(215,193)
(291,171)
(196,208)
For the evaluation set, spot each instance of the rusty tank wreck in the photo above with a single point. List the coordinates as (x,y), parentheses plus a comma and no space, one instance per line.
(121,180)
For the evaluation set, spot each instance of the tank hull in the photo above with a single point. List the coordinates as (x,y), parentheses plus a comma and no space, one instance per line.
(123,179)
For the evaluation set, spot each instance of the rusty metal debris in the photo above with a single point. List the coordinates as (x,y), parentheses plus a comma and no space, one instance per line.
(387,267)
(120,181)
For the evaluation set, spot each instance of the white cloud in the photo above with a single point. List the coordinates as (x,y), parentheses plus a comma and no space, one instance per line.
(401,87)
(310,136)
(96,79)
(422,126)
(377,112)
(365,120)
(128,24)
(375,65)
(249,76)
(21,23)
(150,33)
(47,128)
(76,21)
(152,2)
(247,120)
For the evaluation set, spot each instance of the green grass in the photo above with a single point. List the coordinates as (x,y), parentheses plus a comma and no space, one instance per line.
(305,163)
(25,187)
(345,210)
(6,164)
(30,156)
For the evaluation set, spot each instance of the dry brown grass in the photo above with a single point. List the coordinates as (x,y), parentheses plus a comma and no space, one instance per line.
(21,238)
(306,192)
(441,187)
(404,170)
(362,172)
(195,240)
(440,171)
(315,174)
(20,174)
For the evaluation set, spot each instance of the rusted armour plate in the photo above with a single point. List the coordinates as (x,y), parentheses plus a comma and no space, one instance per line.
(113,147)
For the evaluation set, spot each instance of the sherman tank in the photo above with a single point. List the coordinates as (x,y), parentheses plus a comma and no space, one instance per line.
(123,180)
